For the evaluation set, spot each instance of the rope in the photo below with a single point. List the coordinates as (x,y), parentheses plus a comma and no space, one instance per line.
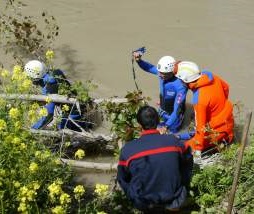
(134,74)
(141,51)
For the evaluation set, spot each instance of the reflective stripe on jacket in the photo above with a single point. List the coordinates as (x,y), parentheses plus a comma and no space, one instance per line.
(172,97)
(153,170)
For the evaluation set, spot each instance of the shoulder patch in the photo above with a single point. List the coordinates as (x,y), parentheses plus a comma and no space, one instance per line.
(209,74)
(195,97)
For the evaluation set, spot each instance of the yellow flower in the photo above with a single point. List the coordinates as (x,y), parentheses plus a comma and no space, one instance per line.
(101,212)
(48,100)
(17,75)
(65,108)
(26,84)
(50,55)
(16,140)
(23,190)
(14,113)
(101,189)
(67,144)
(57,161)
(36,185)
(17,69)
(5,73)
(16,184)
(37,154)
(54,189)
(65,198)
(80,154)
(22,207)
(23,199)
(31,195)
(58,210)
(17,125)
(45,155)
(79,190)
(23,146)
(43,112)
(2,125)
(32,115)
(26,193)
(35,106)
(33,167)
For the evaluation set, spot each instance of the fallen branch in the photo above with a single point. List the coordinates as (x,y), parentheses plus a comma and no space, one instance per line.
(91,165)
(58,98)
(88,136)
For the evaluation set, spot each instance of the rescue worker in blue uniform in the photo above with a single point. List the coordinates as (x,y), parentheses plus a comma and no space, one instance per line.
(172,91)
(154,170)
(49,81)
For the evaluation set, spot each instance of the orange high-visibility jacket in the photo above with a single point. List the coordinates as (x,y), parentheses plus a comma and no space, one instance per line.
(213,111)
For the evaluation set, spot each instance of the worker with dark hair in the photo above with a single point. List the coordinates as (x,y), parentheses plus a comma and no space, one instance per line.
(154,170)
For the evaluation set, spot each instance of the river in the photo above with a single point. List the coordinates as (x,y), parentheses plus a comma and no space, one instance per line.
(97,37)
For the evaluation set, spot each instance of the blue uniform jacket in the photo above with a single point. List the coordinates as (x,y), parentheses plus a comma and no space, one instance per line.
(49,84)
(172,97)
(155,170)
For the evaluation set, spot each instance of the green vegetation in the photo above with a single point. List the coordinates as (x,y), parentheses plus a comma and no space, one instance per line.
(28,169)
(123,116)
(211,185)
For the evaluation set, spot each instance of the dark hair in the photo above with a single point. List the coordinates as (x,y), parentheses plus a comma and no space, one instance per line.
(148,117)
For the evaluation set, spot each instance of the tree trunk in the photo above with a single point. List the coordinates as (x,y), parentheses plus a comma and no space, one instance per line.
(87,136)
(58,98)
(91,165)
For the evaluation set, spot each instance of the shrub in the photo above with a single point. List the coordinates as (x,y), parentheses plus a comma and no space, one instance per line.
(212,184)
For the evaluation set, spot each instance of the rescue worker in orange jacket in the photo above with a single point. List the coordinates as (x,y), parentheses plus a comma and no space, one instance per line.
(213,111)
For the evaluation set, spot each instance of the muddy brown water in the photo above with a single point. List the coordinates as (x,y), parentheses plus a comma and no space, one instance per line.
(97,37)
(91,177)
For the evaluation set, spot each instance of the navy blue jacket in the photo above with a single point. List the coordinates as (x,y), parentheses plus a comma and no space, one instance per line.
(172,97)
(154,170)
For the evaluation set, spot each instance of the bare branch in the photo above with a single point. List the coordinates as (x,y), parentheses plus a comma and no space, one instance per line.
(91,165)
(58,98)
(88,136)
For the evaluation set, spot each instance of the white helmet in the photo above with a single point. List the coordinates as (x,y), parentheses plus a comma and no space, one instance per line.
(188,71)
(35,69)
(166,64)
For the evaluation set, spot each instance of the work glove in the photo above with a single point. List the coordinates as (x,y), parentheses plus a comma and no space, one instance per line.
(197,156)
(163,129)
(137,55)
(186,135)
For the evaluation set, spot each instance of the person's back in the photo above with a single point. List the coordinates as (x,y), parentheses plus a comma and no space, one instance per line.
(153,170)
(213,110)
(52,80)
(210,94)
(154,162)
